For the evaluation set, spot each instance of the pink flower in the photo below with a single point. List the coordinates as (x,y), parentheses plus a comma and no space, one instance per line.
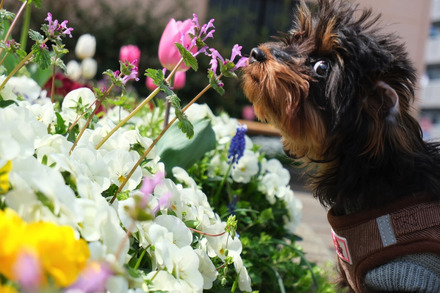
(175,32)
(28,271)
(179,80)
(130,53)
(248,113)
(92,279)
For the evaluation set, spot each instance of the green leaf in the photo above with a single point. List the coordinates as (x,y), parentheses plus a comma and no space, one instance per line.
(6,103)
(60,127)
(175,149)
(186,126)
(215,83)
(41,56)
(188,57)
(36,36)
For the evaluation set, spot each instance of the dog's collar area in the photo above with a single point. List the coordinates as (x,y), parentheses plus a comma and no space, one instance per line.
(372,238)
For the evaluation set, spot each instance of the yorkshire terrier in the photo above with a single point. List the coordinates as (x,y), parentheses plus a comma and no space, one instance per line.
(341,93)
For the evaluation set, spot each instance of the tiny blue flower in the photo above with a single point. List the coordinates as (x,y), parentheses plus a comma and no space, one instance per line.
(238,143)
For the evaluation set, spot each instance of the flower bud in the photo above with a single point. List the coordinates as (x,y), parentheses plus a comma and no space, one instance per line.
(73,70)
(89,67)
(175,32)
(130,53)
(85,46)
(179,80)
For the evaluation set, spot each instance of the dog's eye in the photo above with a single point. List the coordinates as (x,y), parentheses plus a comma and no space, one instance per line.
(321,68)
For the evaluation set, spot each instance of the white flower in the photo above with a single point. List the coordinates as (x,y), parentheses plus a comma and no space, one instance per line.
(275,182)
(19,132)
(294,212)
(183,264)
(6,93)
(75,102)
(89,67)
(73,70)
(181,175)
(207,269)
(25,87)
(120,163)
(85,46)
(181,235)
(245,168)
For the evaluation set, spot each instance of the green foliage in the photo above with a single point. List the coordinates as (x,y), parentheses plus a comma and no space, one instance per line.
(188,58)
(274,261)
(176,149)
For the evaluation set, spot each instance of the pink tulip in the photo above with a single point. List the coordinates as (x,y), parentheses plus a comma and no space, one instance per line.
(175,32)
(130,53)
(248,113)
(179,81)
(149,84)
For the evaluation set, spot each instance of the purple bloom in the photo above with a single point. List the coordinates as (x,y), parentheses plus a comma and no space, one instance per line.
(54,28)
(92,279)
(215,56)
(28,271)
(148,185)
(133,74)
(238,144)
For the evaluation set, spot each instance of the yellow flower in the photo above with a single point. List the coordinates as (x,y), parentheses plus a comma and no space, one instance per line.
(7,289)
(61,255)
(12,231)
(4,177)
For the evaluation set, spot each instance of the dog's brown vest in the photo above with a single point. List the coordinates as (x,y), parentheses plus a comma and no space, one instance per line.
(371,238)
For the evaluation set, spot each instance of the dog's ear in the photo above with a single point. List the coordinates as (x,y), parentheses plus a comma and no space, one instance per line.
(390,99)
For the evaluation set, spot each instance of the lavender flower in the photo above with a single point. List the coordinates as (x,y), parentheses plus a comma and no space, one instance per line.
(238,143)
(55,29)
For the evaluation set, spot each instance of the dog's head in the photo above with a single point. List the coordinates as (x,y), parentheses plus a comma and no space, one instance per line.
(334,83)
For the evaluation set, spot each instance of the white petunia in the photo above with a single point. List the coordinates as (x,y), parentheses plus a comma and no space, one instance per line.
(120,164)
(245,168)
(75,103)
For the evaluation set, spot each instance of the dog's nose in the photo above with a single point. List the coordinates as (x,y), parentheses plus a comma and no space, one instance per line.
(257,55)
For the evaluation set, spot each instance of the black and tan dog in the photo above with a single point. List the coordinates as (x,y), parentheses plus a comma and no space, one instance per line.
(341,93)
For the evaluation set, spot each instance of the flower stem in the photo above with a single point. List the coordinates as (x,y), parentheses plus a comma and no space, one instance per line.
(25,27)
(222,183)
(80,116)
(19,66)
(97,104)
(207,234)
(13,22)
(127,235)
(139,107)
(145,154)
(52,89)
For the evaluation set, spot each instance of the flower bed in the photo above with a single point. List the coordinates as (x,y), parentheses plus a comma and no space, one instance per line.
(96,199)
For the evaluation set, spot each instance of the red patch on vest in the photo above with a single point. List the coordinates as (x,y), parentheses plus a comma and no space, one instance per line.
(341,247)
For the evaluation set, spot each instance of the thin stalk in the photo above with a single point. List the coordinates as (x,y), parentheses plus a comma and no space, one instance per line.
(52,89)
(222,183)
(80,116)
(127,235)
(207,234)
(97,104)
(25,27)
(13,23)
(19,66)
(1,4)
(145,154)
(139,107)
(134,112)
